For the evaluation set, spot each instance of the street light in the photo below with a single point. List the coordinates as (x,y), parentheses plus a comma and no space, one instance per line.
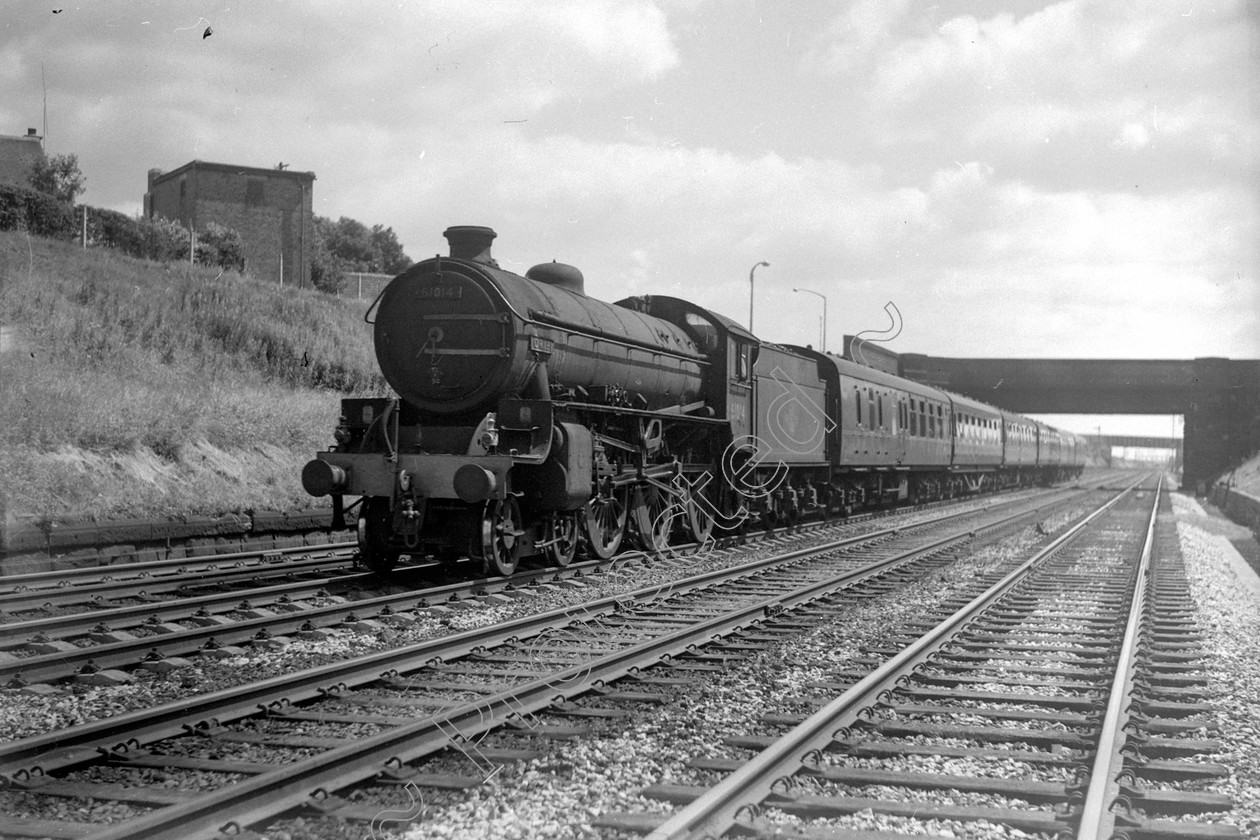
(751,272)
(824,323)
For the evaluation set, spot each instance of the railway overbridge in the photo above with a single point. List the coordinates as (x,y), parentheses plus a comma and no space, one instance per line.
(1219,398)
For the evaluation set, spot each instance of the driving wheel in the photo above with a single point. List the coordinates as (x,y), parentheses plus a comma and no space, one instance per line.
(697,519)
(604,518)
(562,537)
(652,517)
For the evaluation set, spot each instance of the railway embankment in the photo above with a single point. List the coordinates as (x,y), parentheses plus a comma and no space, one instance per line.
(148,408)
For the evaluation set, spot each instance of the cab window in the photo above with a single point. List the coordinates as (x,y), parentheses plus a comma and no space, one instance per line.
(742,361)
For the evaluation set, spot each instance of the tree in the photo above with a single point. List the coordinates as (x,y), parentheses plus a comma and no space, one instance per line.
(328,271)
(350,245)
(351,241)
(58,176)
(388,253)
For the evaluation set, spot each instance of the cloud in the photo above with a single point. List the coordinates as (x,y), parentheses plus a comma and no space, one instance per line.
(853,37)
(1054,167)
(1070,94)
(323,86)
(1133,136)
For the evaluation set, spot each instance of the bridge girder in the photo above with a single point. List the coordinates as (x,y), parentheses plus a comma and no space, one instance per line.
(1219,398)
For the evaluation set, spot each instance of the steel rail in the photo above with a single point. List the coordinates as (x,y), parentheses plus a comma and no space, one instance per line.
(270,794)
(129,652)
(166,584)
(115,618)
(53,666)
(1097,819)
(60,577)
(716,811)
(75,746)
(54,594)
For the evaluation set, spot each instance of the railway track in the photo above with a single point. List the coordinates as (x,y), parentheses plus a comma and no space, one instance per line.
(1082,664)
(162,579)
(94,645)
(377,713)
(236,575)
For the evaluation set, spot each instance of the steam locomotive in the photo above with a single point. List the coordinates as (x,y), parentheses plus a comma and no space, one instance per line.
(532,420)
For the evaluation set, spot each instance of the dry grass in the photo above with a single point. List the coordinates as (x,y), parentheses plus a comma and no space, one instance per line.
(1247,477)
(135,388)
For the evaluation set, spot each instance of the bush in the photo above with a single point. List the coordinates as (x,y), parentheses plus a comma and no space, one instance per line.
(111,229)
(165,240)
(35,212)
(221,246)
(161,240)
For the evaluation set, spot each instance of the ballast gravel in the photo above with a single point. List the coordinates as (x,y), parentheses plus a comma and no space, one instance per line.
(561,793)
(606,773)
(1227,594)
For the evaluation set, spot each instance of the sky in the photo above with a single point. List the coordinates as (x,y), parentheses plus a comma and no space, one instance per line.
(1074,179)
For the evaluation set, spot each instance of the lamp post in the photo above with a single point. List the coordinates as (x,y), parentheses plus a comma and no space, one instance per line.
(751,272)
(824,318)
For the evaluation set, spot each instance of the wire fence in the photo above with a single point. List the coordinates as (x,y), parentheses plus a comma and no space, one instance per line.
(364,285)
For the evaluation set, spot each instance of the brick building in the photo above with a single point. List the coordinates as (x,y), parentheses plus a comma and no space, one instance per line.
(270,208)
(17,155)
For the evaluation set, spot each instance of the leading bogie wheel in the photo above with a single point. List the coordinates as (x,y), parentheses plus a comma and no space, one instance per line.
(501,536)
(375,526)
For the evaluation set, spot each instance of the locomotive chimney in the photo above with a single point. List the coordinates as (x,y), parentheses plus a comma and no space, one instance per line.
(471,242)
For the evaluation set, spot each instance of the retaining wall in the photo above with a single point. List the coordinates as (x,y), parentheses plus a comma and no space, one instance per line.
(61,544)
(1241,507)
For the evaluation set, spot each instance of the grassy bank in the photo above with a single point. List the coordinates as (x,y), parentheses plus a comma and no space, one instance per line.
(131,388)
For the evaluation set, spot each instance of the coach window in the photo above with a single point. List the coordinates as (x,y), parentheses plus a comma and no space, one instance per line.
(870,407)
(880,402)
(857,401)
